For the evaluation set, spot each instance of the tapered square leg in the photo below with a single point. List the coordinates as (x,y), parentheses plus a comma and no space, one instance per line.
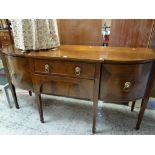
(30,92)
(95,105)
(40,107)
(13,90)
(133,105)
(141,113)
(95,96)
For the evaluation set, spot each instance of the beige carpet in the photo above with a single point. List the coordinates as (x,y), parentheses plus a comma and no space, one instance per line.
(70,116)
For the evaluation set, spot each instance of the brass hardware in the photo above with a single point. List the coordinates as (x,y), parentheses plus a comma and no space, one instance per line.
(47,68)
(127,86)
(77,71)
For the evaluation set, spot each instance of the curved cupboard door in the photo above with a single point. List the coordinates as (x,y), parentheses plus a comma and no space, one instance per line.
(20,73)
(124,82)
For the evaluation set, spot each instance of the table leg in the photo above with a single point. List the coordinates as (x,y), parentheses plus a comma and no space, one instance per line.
(133,105)
(40,107)
(96,96)
(141,113)
(146,96)
(30,92)
(95,105)
(13,91)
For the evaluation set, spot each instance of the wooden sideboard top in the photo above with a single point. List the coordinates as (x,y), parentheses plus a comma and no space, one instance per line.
(88,53)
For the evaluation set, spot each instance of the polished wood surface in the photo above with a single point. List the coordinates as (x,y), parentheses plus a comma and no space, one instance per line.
(88,53)
(130,32)
(115,76)
(80,31)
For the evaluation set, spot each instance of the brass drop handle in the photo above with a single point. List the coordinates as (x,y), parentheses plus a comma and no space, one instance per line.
(127,86)
(47,68)
(77,71)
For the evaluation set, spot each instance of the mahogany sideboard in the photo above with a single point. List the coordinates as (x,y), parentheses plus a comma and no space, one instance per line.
(111,74)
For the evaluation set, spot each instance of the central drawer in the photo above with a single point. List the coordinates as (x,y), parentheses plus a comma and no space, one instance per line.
(69,87)
(65,68)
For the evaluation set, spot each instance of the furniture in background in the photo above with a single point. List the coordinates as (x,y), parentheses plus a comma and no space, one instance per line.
(123,32)
(5,32)
(152,38)
(80,31)
(130,32)
(105,74)
(4,37)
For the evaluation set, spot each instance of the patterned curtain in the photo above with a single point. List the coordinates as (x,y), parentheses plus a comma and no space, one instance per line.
(35,34)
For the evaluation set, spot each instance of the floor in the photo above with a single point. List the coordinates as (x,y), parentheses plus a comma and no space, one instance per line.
(65,116)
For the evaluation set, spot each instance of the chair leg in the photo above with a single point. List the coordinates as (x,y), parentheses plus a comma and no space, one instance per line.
(30,92)
(6,94)
(133,105)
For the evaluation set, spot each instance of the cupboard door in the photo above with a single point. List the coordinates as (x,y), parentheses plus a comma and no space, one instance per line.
(123,82)
(20,73)
(130,32)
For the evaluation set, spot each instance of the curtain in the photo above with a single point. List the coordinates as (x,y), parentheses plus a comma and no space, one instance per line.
(35,34)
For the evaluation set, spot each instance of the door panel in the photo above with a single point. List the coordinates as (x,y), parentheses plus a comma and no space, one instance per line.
(80,31)
(130,32)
